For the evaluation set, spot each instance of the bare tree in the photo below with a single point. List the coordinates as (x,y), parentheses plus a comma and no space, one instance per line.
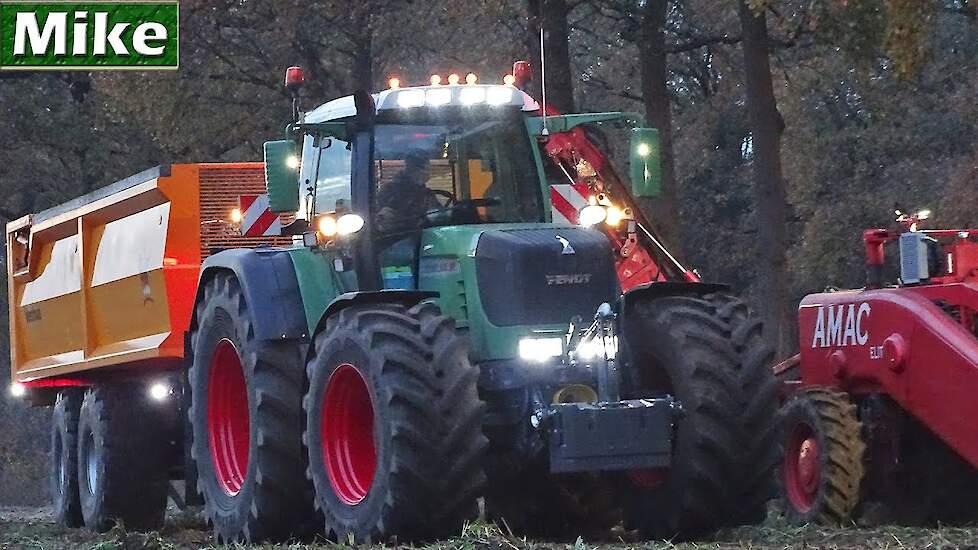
(766,127)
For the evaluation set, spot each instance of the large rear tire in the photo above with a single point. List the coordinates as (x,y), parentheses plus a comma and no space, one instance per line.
(822,470)
(122,459)
(246,416)
(708,353)
(64,458)
(393,425)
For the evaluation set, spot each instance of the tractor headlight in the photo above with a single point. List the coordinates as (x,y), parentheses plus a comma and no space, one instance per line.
(18,390)
(597,348)
(540,349)
(592,214)
(349,224)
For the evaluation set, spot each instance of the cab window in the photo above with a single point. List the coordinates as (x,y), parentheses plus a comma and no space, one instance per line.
(325,177)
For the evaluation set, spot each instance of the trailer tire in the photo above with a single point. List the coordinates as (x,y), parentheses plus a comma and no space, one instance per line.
(678,345)
(822,470)
(122,451)
(393,425)
(64,458)
(246,418)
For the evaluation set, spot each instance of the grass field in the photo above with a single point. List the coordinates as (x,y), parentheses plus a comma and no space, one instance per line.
(23,528)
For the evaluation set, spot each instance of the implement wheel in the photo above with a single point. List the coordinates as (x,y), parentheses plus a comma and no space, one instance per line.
(709,353)
(246,414)
(123,454)
(393,425)
(64,458)
(822,469)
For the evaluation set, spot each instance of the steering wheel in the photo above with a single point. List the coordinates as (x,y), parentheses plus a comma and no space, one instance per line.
(447,195)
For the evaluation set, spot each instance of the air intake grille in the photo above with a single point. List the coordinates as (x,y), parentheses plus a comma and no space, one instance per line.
(220,186)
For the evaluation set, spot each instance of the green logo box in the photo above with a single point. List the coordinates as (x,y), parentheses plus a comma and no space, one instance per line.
(59,36)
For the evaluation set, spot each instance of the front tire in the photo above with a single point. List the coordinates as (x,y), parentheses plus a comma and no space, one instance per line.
(246,416)
(393,425)
(822,469)
(708,353)
(64,459)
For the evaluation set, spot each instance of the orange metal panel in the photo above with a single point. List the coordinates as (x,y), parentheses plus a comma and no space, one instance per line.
(112,282)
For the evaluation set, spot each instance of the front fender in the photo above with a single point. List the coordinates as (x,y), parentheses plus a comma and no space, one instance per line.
(668,288)
(394,296)
(268,281)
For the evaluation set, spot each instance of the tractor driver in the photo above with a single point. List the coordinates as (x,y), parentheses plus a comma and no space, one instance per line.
(401,203)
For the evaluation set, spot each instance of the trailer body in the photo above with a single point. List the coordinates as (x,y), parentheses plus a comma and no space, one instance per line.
(109,279)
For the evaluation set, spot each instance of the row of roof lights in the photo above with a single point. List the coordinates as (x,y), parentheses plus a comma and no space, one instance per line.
(436,97)
(453,80)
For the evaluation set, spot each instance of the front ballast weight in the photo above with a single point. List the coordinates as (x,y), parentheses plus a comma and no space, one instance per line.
(607,434)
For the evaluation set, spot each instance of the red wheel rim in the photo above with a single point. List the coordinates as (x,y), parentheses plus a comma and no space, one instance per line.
(227,418)
(802,468)
(347,432)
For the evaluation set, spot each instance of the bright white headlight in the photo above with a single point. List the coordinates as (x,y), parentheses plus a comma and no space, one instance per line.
(499,95)
(18,390)
(438,96)
(592,214)
(540,349)
(159,391)
(471,96)
(349,223)
(410,98)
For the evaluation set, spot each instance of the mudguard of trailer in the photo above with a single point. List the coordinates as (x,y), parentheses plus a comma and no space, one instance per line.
(267,278)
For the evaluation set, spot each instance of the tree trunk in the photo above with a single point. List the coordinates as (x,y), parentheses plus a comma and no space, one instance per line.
(664,210)
(552,16)
(769,190)
(363,73)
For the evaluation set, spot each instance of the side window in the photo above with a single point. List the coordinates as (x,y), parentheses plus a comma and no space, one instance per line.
(330,174)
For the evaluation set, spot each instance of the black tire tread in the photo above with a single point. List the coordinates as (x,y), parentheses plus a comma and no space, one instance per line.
(837,424)
(135,480)
(436,421)
(64,424)
(281,506)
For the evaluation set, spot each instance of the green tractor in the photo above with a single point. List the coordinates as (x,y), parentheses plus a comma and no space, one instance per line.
(433,337)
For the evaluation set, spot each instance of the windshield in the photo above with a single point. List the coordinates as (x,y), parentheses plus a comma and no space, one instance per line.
(449,174)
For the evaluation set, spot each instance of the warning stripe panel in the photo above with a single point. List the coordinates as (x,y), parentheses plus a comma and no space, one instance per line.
(566,201)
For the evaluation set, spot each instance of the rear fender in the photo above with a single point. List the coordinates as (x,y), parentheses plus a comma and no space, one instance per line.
(268,281)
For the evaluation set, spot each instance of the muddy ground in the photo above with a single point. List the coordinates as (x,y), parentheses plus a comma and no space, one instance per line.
(32,528)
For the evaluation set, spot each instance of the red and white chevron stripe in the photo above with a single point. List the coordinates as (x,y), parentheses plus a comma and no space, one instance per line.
(567,200)
(256,219)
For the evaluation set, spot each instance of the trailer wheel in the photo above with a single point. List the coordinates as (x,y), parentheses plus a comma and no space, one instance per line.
(246,417)
(393,425)
(122,451)
(688,347)
(822,470)
(64,458)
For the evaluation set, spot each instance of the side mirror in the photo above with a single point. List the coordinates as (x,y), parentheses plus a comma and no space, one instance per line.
(282,175)
(645,162)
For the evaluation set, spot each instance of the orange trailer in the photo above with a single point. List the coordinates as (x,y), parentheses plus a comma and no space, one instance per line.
(108,280)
